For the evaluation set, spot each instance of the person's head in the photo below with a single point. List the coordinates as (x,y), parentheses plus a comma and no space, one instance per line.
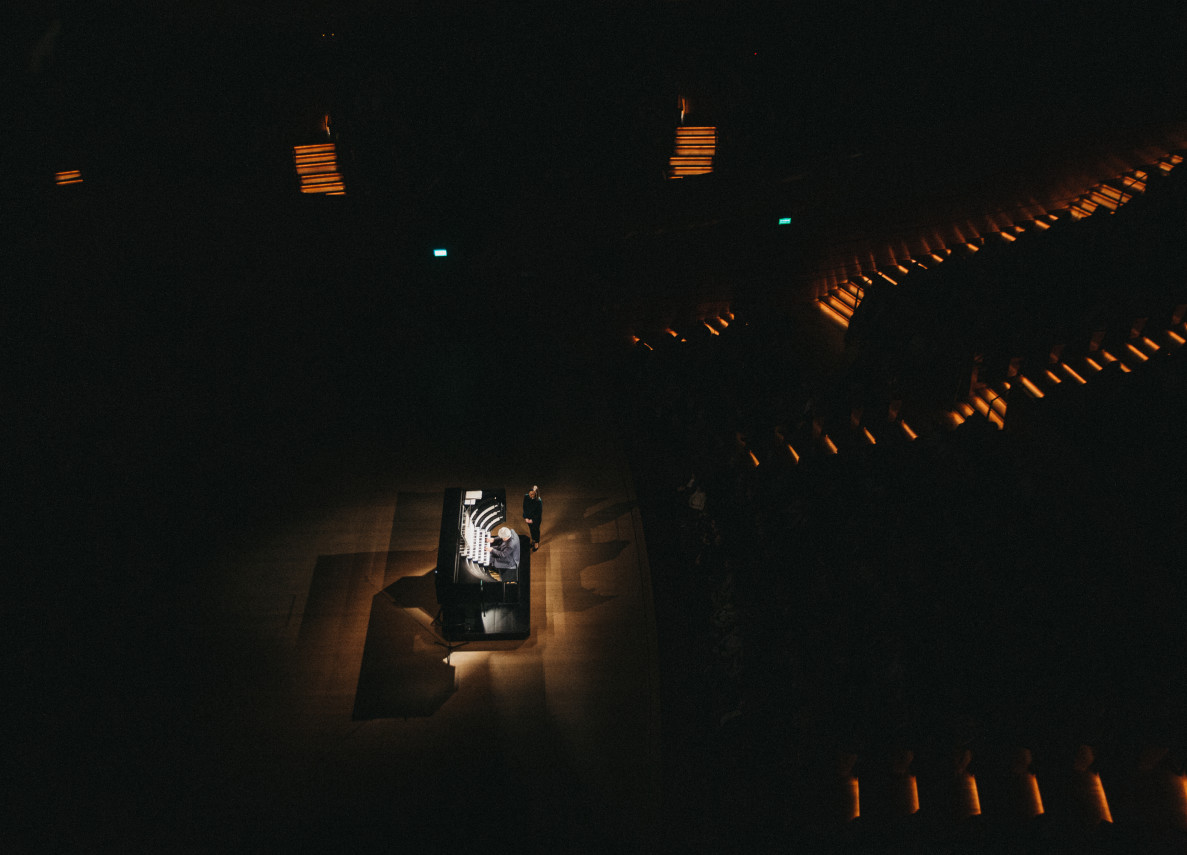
(534,492)
(505,533)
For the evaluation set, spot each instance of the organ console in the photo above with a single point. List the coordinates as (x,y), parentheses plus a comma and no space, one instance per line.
(463,554)
(476,598)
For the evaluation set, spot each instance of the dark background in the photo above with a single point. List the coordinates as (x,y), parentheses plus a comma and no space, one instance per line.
(183,329)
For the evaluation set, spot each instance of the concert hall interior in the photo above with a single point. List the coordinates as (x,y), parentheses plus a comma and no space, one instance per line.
(845,342)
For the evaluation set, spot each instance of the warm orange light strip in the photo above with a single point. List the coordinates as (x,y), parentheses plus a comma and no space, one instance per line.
(996,419)
(1103,200)
(1042,225)
(833,313)
(1036,800)
(1051,374)
(907,430)
(1146,341)
(794,456)
(671,332)
(1183,796)
(846,298)
(869,436)
(972,799)
(710,329)
(1068,370)
(69,176)
(887,278)
(854,800)
(913,789)
(1136,352)
(1108,356)
(990,405)
(1007,236)
(965,409)
(828,443)
(1093,364)
(1031,388)
(1176,337)
(752,457)
(1102,803)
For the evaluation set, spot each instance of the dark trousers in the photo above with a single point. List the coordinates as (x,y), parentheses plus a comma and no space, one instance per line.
(534,528)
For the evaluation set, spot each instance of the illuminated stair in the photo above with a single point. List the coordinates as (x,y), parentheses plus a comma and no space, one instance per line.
(842,300)
(317,168)
(695,149)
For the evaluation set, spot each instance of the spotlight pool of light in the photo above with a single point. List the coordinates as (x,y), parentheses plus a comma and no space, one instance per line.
(440,253)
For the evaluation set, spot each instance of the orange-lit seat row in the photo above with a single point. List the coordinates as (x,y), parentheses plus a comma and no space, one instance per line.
(695,149)
(1138,350)
(715,324)
(838,303)
(1015,786)
(317,167)
(842,299)
(69,176)
(844,296)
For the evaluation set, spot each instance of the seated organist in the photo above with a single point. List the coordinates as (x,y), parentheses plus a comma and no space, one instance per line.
(504,555)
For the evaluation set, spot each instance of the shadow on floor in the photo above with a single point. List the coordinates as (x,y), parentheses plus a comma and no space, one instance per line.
(404,673)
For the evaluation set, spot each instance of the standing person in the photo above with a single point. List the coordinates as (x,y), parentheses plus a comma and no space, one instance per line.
(533,510)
